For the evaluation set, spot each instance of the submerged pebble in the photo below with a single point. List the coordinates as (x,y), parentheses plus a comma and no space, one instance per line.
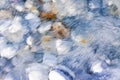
(5,14)
(46,26)
(8,52)
(61,73)
(63,47)
(37,71)
(60,31)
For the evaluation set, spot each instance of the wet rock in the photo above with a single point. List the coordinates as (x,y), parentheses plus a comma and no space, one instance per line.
(46,26)
(60,31)
(5,14)
(63,47)
(61,73)
(8,52)
(37,71)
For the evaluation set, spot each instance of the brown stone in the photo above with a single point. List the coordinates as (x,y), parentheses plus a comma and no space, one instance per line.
(48,15)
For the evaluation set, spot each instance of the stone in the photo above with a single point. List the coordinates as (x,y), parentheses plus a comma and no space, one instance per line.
(61,73)
(96,68)
(37,71)
(60,31)
(46,26)
(8,52)
(63,47)
(4,14)
(19,8)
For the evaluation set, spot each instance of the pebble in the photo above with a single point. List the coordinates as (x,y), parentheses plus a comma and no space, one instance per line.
(44,27)
(30,16)
(96,68)
(8,52)
(61,73)
(37,71)
(34,10)
(19,8)
(4,14)
(46,38)
(79,39)
(33,41)
(33,21)
(60,31)
(63,47)
(29,41)
(54,75)
(15,29)
(29,4)
(48,44)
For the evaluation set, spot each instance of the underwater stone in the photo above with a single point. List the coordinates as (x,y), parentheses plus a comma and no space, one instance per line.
(37,71)
(29,4)
(63,46)
(8,52)
(4,14)
(61,73)
(96,67)
(19,8)
(33,21)
(45,27)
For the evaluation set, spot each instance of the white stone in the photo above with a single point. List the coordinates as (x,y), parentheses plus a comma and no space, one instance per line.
(16,25)
(33,20)
(62,67)
(37,71)
(8,52)
(54,75)
(108,61)
(29,4)
(35,75)
(96,68)
(30,16)
(29,40)
(15,31)
(63,46)
(19,8)
(45,27)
